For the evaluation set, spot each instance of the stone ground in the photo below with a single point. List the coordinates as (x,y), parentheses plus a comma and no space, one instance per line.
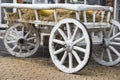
(40,67)
(12,68)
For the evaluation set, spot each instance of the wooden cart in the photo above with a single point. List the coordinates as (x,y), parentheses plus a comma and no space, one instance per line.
(71,38)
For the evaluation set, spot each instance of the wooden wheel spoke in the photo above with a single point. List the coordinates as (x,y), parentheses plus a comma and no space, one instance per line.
(31,38)
(114,50)
(23,28)
(59,51)
(58,41)
(16,31)
(62,34)
(115,43)
(79,49)
(74,34)
(31,44)
(76,56)
(102,55)
(26,35)
(15,46)
(109,55)
(68,30)
(114,36)
(117,39)
(12,41)
(70,61)
(79,40)
(111,31)
(20,49)
(114,30)
(13,36)
(27,48)
(64,57)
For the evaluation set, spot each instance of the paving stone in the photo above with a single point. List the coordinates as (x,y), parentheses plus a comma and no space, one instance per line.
(12,68)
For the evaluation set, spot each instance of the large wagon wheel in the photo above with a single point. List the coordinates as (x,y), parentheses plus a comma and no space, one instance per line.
(69,45)
(109,53)
(21,40)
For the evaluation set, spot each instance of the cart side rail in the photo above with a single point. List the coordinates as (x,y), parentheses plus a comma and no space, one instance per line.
(104,12)
(76,7)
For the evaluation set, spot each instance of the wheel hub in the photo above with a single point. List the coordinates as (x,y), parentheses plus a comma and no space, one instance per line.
(21,41)
(69,45)
(106,42)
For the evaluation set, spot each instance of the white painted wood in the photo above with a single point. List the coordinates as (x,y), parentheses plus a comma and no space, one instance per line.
(36,15)
(14,2)
(94,16)
(19,43)
(77,15)
(114,22)
(4,26)
(42,35)
(55,15)
(115,9)
(110,49)
(46,1)
(5,12)
(69,48)
(5,17)
(77,7)
(84,16)
(85,1)
(33,1)
(72,42)
(66,1)
(19,13)
(90,25)
(108,17)
(102,16)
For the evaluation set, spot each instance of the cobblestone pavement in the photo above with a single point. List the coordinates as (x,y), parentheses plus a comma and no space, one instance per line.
(40,67)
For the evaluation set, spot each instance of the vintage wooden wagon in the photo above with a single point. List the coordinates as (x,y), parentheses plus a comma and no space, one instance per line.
(73,30)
